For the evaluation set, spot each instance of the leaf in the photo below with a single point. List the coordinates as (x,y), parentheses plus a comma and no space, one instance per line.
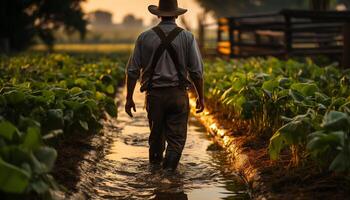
(341,163)
(321,140)
(284,82)
(25,122)
(91,104)
(270,85)
(39,186)
(81,82)
(306,89)
(75,90)
(32,139)
(100,96)
(110,107)
(54,119)
(14,97)
(84,125)
(110,89)
(322,98)
(335,120)
(59,92)
(36,165)
(276,145)
(12,178)
(46,156)
(74,105)
(48,95)
(297,96)
(7,130)
(106,79)
(293,131)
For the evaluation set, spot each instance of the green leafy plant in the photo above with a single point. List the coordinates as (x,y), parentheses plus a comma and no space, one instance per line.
(43,97)
(331,143)
(282,100)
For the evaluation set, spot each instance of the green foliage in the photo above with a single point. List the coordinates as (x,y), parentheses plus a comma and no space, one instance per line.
(41,98)
(287,98)
(25,162)
(39,18)
(12,178)
(331,143)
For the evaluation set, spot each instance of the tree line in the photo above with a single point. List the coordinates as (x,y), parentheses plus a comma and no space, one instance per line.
(23,22)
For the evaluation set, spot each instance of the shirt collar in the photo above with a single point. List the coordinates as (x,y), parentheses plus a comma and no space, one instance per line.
(167,23)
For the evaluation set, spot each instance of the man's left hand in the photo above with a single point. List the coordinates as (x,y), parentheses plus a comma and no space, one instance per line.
(128,106)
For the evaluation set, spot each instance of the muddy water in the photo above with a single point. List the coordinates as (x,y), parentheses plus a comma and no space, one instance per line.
(203,174)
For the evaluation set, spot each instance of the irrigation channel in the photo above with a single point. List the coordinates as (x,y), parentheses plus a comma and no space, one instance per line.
(205,172)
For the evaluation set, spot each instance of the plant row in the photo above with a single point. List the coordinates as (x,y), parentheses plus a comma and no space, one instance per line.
(43,97)
(300,106)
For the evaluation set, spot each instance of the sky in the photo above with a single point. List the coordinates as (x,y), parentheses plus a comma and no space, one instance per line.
(120,8)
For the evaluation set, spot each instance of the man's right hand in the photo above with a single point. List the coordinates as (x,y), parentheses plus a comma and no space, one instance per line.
(128,106)
(200,105)
(198,83)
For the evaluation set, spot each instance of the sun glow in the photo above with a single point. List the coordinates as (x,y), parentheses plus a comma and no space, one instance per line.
(120,8)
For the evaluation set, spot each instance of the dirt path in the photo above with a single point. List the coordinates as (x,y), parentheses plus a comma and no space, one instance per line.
(124,173)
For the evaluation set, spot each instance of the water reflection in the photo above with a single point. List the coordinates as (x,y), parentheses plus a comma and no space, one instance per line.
(202,174)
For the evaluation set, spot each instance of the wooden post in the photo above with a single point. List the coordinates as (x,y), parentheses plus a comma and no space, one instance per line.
(288,35)
(232,37)
(239,38)
(219,37)
(320,5)
(346,49)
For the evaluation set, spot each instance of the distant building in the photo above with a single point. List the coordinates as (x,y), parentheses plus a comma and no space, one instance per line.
(100,18)
(131,21)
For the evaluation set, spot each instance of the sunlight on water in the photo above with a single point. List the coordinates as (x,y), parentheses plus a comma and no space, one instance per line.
(202,174)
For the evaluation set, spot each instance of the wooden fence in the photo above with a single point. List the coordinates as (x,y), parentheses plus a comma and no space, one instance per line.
(287,33)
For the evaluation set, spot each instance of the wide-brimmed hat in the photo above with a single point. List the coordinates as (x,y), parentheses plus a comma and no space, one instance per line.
(167,8)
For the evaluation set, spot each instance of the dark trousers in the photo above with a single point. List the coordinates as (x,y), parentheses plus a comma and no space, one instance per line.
(168,110)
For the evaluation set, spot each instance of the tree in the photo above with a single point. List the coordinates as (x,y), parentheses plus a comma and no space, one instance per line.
(244,7)
(21,21)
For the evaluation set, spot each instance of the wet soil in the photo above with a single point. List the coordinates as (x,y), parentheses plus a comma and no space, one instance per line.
(279,179)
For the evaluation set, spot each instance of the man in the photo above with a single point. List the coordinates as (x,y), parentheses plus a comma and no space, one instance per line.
(167,58)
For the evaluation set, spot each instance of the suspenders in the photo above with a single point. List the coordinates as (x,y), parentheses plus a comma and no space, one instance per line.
(166,46)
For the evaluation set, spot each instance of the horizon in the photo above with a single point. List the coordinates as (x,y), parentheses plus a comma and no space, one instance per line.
(139,9)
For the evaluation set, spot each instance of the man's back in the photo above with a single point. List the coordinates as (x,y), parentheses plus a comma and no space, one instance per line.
(165,73)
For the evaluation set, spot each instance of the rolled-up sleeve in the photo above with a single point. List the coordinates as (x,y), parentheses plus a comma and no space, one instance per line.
(195,62)
(134,65)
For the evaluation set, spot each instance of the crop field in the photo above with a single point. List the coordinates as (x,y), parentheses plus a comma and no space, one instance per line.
(87,48)
(294,107)
(42,98)
(299,110)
